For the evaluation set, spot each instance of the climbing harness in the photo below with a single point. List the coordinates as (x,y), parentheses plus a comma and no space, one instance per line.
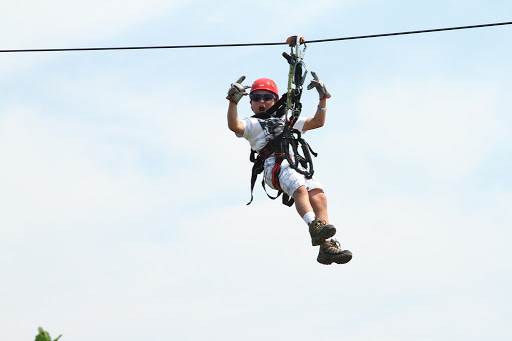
(290,139)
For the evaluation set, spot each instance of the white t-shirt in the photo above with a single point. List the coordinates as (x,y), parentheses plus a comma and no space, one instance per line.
(260,131)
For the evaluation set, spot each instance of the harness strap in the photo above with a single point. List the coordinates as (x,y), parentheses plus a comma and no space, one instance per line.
(275,173)
(276,170)
(258,164)
(258,167)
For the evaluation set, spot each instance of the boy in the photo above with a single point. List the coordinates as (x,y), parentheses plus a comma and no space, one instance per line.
(308,194)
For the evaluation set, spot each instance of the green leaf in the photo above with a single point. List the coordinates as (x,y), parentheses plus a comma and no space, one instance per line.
(43,335)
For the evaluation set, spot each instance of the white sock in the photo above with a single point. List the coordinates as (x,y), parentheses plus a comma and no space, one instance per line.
(309,217)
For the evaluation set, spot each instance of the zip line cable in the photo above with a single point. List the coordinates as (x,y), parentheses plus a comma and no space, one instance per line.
(256,44)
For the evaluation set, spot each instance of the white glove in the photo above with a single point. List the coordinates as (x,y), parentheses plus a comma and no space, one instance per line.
(237,90)
(320,86)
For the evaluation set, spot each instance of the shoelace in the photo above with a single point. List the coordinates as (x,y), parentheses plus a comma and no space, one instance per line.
(318,223)
(335,243)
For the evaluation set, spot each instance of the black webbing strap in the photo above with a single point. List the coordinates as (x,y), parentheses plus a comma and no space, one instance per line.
(257,168)
(305,161)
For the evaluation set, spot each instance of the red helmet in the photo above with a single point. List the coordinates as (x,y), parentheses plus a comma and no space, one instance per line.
(265,84)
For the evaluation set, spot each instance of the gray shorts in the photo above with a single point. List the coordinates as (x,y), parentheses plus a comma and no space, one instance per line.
(289,178)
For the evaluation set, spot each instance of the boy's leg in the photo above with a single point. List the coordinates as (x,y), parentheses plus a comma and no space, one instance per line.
(302,204)
(318,230)
(318,201)
(330,251)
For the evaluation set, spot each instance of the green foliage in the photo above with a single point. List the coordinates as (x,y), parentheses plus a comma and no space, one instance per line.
(44,336)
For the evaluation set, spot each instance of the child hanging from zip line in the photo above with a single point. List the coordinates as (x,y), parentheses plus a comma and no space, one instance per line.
(260,129)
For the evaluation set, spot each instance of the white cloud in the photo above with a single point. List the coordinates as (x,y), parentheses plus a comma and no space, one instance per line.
(115,160)
(53,178)
(443,126)
(34,24)
(233,267)
(67,24)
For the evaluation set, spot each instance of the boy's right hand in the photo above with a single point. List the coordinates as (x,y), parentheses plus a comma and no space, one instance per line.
(237,90)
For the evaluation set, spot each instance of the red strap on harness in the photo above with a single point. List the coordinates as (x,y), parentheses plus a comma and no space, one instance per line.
(275,173)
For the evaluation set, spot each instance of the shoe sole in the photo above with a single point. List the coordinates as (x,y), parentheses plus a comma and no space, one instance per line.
(341,258)
(327,232)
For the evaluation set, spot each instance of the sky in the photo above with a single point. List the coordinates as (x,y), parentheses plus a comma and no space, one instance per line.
(123,193)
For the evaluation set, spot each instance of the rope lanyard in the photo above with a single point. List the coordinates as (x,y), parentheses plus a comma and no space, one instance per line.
(296,77)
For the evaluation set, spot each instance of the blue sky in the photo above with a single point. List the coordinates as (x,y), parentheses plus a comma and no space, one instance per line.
(123,192)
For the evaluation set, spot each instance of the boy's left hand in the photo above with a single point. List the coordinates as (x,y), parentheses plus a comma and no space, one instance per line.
(319,85)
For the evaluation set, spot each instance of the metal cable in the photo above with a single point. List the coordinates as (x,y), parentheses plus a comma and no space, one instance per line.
(254,44)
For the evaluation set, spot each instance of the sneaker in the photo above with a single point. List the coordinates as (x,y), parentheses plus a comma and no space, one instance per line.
(320,231)
(330,252)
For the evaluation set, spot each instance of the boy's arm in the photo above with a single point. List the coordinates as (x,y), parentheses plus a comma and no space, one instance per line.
(233,123)
(318,120)
(235,93)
